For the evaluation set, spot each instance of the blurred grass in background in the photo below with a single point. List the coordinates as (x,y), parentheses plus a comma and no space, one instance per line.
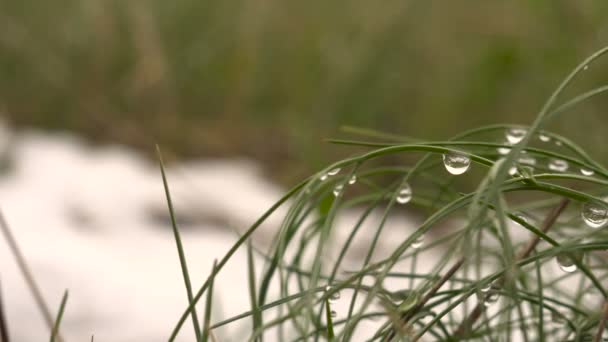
(269,79)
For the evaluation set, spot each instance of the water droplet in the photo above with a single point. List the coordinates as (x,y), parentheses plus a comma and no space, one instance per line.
(323,177)
(528,160)
(566,262)
(558,143)
(544,138)
(352,180)
(515,135)
(513,171)
(595,214)
(334,296)
(558,165)
(489,297)
(418,242)
(333,313)
(503,150)
(486,288)
(586,67)
(456,163)
(587,172)
(333,172)
(338,190)
(523,217)
(405,194)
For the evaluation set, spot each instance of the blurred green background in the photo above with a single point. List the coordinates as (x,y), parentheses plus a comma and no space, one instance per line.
(270,79)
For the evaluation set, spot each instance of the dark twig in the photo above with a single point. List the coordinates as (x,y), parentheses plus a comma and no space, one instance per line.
(602,324)
(408,315)
(27,274)
(550,220)
(3,325)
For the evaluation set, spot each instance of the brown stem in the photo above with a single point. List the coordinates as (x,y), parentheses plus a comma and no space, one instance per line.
(27,274)
(408,315)
(602,324)
(550,220)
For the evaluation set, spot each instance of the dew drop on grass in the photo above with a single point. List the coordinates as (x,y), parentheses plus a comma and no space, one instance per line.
(544,138)
(405,194)
(338,190)
(586,67)
(418,242)
(334,296)
(333,172)
(527,160)
(489,297)
(486,288)
(515,135)
(594,214)
(323,177)
(503,150)
(587,172)
(565,262)
(558,143)
(456,163)
(558,165)
(352,180)
(513,171)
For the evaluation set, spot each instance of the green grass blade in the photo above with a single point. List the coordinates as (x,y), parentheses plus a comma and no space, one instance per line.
(55,330)
(180,248)
(208,305)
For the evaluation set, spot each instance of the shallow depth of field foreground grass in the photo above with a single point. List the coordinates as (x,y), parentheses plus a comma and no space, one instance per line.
(520,257)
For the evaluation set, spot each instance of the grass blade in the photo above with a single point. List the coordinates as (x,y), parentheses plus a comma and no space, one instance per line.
(180,248)
(208,305)
(55,330)
(27,274)
(330,323)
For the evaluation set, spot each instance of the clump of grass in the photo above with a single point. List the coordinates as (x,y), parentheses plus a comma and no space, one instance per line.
(488,282)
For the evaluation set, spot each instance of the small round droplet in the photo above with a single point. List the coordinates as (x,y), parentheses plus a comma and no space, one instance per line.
(503,150)
(352,180)
(527,160)
(404,195)
(489,297)
(558,143)
(456,163)
(323,177)
(418,242)
(544,138)
(522,216)
(334,296)
(515,135)
(513,171)
(333,172)
(558,165)
(486,288)
(338,190)
(594,214)
(587,172)
(565,262)
(586,67)
(333,313)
